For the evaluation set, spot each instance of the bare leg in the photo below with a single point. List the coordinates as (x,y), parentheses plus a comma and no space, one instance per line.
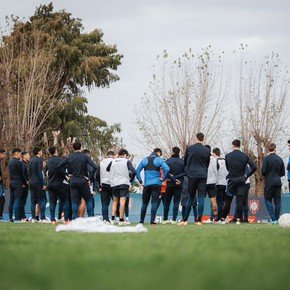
(214,207)
(114,206)
(122,207)
(82,208)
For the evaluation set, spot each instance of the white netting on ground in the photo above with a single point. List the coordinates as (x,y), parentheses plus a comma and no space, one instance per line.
(284,220)
(95,225)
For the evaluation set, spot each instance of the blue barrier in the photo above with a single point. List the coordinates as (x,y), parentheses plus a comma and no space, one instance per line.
(257,208)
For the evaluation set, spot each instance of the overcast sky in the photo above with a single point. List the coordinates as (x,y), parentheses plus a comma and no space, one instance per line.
(143,29)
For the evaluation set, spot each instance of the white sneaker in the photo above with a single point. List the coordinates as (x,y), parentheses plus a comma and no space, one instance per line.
(238,222)
(113,222)
(209,221)
(223,222)
(33,221)
(127,222)
(45,221)
(122,223)
(174,222)
(164,222)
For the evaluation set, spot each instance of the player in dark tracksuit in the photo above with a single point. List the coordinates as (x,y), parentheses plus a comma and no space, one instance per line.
(25,157)
(236,163)
(37,184)
(65,154)
(152,185)
(174,189)
(79,181)
(273,169)
(17,184)
(57,189)
(185,198)
(196,162)
(2,196)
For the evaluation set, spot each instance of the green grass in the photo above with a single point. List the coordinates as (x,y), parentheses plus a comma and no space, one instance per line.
(34,256)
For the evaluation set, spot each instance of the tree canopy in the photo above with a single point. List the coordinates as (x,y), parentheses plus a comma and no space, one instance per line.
(72,60)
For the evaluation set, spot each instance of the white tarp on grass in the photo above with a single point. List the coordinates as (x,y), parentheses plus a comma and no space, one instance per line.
(95,225)
(284,220)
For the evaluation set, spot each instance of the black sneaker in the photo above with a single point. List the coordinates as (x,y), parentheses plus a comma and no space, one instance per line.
(153,223)
(11,220)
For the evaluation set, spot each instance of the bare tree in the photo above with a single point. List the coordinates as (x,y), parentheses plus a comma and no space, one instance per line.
(29,89)
(262,99)
(186,96)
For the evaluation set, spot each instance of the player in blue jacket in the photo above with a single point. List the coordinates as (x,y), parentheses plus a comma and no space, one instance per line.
(152,182)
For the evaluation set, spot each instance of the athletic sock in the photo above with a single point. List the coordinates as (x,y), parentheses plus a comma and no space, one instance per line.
(121,220)
(113,217)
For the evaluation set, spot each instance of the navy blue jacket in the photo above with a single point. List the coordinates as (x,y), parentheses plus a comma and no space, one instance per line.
(273,169)
(196,161)
(55,175)
(236,163)
(78,166)
(16,172)
(176,166)
(36,170)
(25,170)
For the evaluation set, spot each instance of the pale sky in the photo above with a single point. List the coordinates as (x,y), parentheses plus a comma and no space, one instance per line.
(143,29)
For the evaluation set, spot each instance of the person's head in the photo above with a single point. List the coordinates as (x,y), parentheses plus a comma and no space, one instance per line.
(123,153)
(272,148)
(2,153)
(77,146)
(25,156)
(158,151)
(288,144)
(87,152)
(236,144)
(216,152)
(37,151)
(175,152)
(110,154)
(208,147)
(200,137)
(16,152)
(52,150)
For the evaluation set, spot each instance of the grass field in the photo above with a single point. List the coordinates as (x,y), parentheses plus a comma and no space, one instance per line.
(34,256)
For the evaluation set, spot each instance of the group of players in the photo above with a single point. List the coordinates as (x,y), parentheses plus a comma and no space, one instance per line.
(69,179)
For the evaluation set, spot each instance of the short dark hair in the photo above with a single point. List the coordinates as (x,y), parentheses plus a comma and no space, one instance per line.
(52,150)
(24,153)
(2,150)
(287,142)
(176,150)
(86,151)
(109,153)
(77,145)
(157,150)
(236,143)
(200,136)
(14,150)
(123,152)
(216,151)
(208,147)
(272,147)
(36,150)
